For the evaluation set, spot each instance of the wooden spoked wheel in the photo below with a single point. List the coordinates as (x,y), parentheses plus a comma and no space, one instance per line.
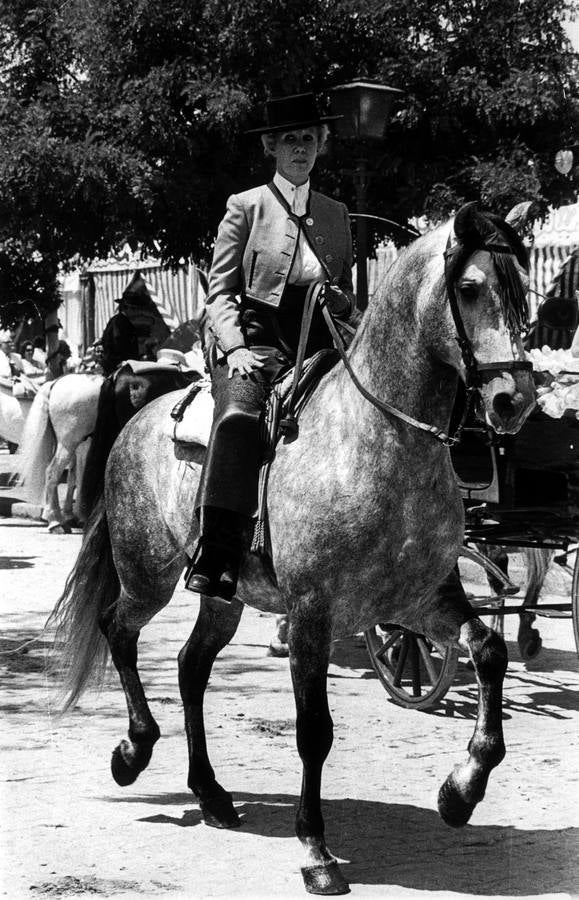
(575,601)
(415,673)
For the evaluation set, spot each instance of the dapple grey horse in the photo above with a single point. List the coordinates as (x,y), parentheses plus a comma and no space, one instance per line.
(365,517)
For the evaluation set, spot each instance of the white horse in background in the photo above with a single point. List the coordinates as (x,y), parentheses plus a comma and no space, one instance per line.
(61,418)
(13,414)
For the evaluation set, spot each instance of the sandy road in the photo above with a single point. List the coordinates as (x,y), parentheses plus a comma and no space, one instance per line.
(67,829)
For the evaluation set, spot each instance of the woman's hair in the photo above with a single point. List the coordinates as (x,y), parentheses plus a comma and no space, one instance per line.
(27,345)
(270,139)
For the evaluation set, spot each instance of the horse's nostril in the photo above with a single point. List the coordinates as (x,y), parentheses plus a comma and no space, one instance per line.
(503,405)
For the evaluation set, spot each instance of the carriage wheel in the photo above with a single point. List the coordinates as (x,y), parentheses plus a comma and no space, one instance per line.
(575,601)
(415,672)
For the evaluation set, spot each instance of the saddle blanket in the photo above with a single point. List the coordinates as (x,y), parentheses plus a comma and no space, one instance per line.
(192,417)
(194,426)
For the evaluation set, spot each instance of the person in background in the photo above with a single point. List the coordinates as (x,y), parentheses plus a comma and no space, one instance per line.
(39,354)
(6,351)
(274,242)
(30,366)
(59,363)
(92,361)
(119,339)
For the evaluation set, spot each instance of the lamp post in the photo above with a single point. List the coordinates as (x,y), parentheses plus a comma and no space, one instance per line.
(364,107)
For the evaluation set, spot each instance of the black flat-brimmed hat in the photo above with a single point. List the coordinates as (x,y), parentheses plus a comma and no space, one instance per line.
(288,113)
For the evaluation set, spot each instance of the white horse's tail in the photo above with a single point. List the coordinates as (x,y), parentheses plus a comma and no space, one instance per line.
(37,447)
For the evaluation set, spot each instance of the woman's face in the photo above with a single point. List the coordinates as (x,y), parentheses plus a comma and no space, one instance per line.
(295,154)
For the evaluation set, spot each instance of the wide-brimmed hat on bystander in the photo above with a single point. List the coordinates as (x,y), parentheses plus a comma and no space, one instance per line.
(290,113)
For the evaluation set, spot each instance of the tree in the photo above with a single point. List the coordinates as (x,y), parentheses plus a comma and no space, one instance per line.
(125,119)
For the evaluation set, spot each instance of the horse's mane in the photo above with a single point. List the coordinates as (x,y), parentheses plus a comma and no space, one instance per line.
(478,230)
(474,230)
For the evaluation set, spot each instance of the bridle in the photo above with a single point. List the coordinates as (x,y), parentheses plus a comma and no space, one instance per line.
(453,255)
(473,368)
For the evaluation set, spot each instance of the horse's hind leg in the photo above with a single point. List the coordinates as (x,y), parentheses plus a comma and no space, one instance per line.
(132,755)
(216,624)
(466,785)
(51,512)
(309,645)
(529,638)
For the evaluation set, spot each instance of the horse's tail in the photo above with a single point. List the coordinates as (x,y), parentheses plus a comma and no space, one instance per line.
(37,447)
(91,588)
(106,430)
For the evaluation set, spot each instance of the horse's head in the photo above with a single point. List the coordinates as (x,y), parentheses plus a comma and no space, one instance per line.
(485,280)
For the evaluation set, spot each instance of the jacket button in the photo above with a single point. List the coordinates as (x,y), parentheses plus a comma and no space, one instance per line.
(319,239)
(329,257)
(309,221)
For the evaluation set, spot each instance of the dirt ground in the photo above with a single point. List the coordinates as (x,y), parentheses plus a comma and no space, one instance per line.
(68,829)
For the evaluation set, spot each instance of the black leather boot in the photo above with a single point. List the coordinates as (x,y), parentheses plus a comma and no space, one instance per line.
(215,565)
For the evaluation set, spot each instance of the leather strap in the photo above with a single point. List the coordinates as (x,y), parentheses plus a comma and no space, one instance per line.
(382,405)
(289,425)
(299,221)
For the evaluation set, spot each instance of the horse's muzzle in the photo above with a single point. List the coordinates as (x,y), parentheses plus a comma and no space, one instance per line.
(508,394)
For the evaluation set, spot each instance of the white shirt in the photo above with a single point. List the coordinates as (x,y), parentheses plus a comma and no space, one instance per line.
(5,370)
(306,266)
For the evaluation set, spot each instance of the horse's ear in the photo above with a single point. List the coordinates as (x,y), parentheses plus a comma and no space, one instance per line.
(469,224)
(521,215)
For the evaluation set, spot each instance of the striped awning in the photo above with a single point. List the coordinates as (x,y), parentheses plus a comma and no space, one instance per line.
(178,294)
(563,286)
(547,265)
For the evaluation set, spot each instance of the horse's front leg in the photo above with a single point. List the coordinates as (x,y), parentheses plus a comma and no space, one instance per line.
(466,785)
(309,650)
(215,626)
(529,638)
(71,481)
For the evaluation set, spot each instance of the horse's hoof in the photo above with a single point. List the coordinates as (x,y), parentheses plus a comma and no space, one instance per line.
(325,879)
(71,523)
(276,648)
(129,760)
(218,810)
(56,528)
(452,808)
(531,646)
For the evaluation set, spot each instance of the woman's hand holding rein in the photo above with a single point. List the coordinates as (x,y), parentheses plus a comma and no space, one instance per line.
(244,361)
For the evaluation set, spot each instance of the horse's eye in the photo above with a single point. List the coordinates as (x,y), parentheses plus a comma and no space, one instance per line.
(469,290)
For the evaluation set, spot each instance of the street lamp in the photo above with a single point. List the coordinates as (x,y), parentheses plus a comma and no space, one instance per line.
(364,107)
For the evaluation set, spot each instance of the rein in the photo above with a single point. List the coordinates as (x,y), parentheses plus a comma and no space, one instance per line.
(473,368)
(382,405)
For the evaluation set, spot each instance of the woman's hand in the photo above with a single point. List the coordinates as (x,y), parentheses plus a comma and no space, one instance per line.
(243,361)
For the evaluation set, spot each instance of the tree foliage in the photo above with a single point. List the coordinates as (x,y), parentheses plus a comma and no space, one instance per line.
(125,119)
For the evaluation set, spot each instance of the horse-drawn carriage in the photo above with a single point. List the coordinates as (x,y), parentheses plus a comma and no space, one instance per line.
(521,495)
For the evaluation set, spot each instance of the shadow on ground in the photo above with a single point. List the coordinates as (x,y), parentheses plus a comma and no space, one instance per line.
(408,846)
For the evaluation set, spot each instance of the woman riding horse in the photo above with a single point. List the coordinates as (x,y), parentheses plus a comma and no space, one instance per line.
(274,242)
